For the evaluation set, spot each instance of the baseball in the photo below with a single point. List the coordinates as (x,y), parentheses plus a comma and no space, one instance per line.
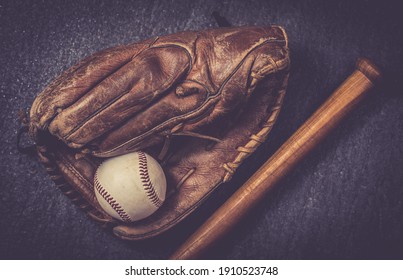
(130,187)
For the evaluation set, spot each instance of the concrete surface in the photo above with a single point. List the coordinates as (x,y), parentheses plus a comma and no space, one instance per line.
(345,201)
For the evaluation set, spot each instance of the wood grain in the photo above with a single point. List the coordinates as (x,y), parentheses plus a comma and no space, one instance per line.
(307,137)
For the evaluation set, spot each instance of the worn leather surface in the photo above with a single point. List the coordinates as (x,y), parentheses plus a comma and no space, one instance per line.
(128,98)
(344,201)
(132,98)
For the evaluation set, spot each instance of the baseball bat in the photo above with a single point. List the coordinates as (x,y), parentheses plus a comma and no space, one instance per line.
(307,137)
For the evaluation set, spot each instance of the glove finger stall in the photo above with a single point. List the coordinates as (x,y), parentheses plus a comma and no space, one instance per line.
(121,95)
(76,82)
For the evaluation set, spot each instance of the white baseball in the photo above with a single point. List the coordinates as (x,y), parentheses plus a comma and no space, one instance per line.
(130,187)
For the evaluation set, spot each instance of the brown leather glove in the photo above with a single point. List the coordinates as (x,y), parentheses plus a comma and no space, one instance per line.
(199,102)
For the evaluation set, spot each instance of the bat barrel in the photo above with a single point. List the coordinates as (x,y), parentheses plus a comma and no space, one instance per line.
(307,137)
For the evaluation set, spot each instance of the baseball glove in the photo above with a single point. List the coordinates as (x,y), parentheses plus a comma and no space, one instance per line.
(199,102)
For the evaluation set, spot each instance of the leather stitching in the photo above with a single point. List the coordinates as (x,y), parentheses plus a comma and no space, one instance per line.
(255,139)
(202,108)
(121,95)
(146,181)
(119,67)
(111,201)
(66,188)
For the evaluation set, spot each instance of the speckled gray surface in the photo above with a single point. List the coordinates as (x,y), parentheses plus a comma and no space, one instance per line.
(345,201)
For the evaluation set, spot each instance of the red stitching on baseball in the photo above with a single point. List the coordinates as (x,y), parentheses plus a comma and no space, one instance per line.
(145,179)
(112,202)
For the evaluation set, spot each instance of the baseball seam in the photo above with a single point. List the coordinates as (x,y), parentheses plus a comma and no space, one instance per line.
(146,181)
(111,201)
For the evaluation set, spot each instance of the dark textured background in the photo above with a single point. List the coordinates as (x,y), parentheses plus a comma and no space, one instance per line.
(345,201)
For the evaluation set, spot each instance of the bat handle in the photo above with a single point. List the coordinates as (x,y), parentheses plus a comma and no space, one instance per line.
(308,136)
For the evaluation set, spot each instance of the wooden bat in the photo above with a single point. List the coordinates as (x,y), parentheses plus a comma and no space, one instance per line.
(307,137)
